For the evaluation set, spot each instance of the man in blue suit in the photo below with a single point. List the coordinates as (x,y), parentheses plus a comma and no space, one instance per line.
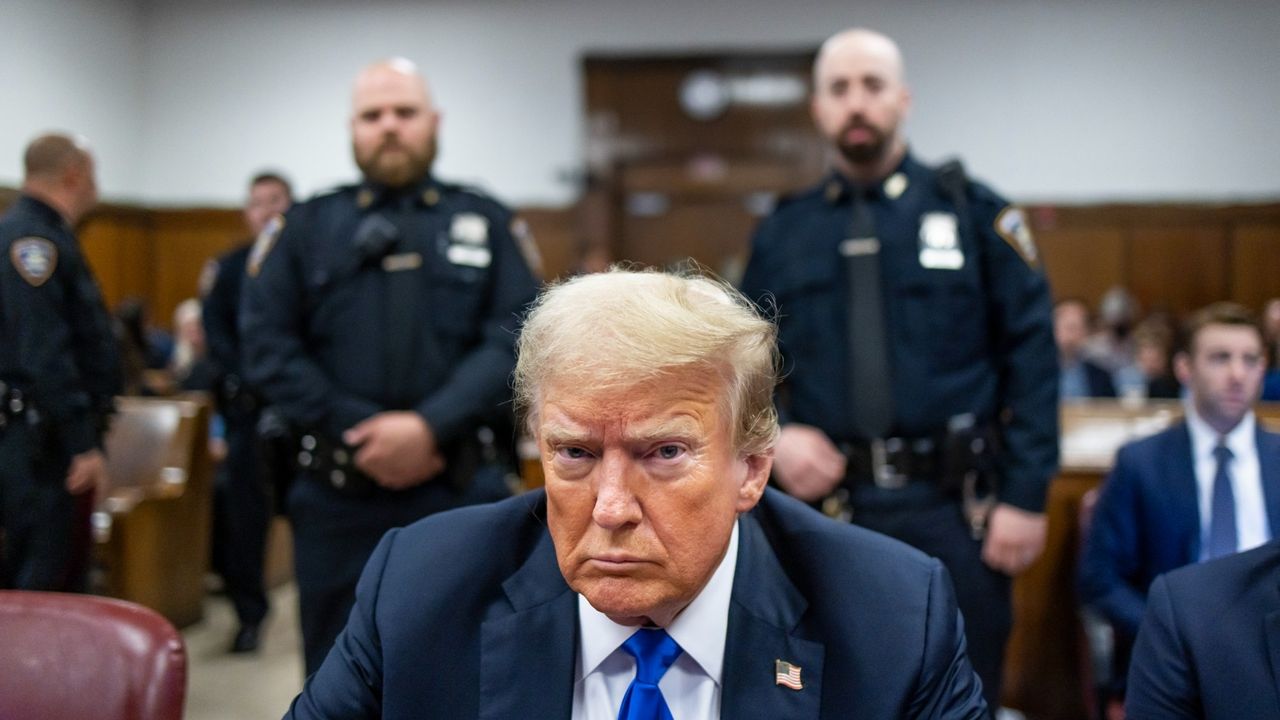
(1209,646)
(655,577)
(1205,487)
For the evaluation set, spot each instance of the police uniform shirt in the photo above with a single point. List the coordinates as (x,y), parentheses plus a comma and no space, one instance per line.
(58,346)
(968,315)
(320,331)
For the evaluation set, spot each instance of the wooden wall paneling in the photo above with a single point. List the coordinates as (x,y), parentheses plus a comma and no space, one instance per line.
(1179,267)
(184,241)
(1083,262)
(116,242)
(1255,263)
(713,231)
(555,234)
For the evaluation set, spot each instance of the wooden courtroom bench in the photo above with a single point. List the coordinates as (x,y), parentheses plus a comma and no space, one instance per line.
(1045,668)
(152,528)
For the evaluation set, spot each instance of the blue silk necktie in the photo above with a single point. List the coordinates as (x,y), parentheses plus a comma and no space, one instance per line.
(1222,512)
(654,651)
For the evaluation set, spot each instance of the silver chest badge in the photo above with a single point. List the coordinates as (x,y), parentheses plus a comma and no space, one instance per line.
(940,242)
(469,241)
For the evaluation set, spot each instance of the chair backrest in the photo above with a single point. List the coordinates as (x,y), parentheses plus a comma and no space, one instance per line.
(65,657)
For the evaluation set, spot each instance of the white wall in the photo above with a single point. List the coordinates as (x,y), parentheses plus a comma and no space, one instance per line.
(73,65)
(1049,99)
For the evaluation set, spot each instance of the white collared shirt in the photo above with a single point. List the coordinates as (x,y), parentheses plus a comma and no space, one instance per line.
(691,686)
(1252,528)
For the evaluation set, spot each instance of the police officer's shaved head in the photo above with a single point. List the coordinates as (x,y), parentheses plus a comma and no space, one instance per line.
(50,155)
(393,124)
(860,100)
(60,171)
(861,40)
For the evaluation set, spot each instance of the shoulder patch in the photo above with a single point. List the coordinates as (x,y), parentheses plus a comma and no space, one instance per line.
(262,246)
(35,259)
(527,246)
(1011,224)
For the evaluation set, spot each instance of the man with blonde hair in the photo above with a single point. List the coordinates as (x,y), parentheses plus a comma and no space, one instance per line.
(59,371)
(656,576)
(379,321)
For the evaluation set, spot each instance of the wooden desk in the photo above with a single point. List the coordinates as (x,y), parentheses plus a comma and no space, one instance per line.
(1045,675)
(152,528)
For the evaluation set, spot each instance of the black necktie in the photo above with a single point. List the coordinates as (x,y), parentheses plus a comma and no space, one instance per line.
(405,313)
(1222,511)
(871,401)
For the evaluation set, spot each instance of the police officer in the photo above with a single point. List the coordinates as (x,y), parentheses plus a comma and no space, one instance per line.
(380,320)
(915,322)
(242,507)
(59,371)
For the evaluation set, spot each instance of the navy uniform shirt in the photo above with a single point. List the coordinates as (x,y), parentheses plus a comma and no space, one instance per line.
(56,341)
(221,312)
(968,316)
(371,299)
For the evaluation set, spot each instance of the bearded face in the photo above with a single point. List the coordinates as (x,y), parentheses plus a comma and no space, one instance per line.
(393,127)
(395,162)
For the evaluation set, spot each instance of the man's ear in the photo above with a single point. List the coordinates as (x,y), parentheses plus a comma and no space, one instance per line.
(755,479)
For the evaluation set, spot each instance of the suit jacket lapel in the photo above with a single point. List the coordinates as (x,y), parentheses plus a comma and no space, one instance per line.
(1180,469)
(527,656)
(763,613)
(1269,468)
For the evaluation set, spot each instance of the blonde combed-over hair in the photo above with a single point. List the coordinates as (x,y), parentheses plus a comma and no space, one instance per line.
(623,328)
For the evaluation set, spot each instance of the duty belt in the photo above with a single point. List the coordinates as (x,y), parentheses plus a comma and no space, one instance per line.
(13,403)
(891,463)
(332,463)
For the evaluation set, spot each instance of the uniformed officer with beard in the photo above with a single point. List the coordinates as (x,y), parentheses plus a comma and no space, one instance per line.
(914,317)
(379,321)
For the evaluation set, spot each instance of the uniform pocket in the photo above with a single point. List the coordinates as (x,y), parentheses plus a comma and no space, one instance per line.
(457,295)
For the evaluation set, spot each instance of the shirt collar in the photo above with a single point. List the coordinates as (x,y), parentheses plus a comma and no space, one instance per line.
(837,187)
(1204,438)
(425,192)
(699,629)
(41,207)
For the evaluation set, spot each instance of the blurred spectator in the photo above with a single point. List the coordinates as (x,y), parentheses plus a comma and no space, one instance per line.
(155,346)
(189,362)
(1078,377)
(1153,342)
(1111,346)
(1271,334)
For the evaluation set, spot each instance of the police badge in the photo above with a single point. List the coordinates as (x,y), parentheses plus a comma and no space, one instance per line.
(34,258)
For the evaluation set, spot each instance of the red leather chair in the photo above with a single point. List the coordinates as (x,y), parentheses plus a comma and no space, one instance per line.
(70,657)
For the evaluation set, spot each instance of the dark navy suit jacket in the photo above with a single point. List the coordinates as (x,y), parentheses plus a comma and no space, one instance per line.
(1210,643)
(465,615)
(1147,521)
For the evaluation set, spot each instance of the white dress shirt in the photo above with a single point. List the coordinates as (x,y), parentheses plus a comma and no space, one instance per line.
(691,686)
(1252,528)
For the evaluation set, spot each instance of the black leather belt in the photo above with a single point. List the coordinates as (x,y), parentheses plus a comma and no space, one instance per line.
(892,463)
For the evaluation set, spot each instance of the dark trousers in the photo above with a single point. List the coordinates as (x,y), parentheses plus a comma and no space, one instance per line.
(334,535)
(932,522)
(43,544)
(242,514)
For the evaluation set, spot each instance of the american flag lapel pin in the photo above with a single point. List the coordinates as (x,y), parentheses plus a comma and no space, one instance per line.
(787,675)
